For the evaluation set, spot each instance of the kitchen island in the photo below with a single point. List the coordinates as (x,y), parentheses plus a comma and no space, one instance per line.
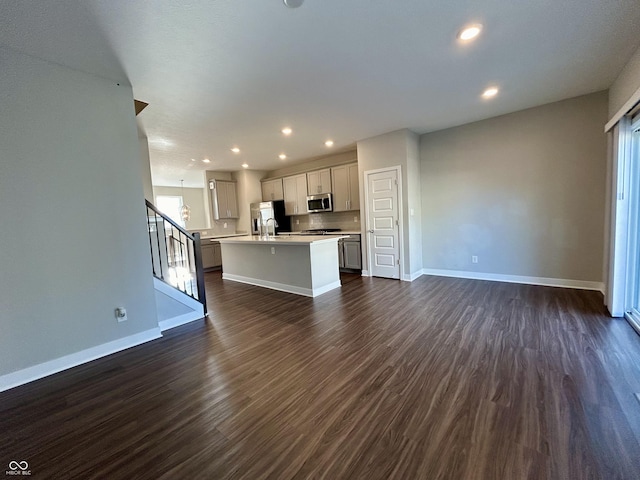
(304,265)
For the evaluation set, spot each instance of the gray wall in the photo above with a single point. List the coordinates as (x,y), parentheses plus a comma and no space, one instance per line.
(74,242)
(145,167)
(525,192)
(314,164)
(194,198)
(413,207)
(249,191)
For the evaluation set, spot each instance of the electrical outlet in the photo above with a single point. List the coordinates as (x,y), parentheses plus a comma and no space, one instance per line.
(297,222)
(224,225)
(474,259)
(121,314)
(273,250)
(355,219)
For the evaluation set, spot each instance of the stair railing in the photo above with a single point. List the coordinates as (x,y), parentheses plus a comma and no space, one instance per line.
(176,258)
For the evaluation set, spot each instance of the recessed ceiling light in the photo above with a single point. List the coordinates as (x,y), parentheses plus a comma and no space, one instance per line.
(329,143)
(245,165)
(293,3)
(470,32)
(193,159)
(490,92)
(287,131)
(235,150)
(206,160)
(282,156)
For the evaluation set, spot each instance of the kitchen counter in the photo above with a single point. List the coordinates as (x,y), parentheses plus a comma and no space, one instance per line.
(282,239)
(304,265)
(341,232)
(216,237)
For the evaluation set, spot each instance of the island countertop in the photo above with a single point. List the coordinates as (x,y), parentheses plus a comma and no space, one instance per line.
(304,265)
(283,239)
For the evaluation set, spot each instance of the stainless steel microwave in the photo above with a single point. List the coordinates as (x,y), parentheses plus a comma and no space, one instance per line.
(319,203)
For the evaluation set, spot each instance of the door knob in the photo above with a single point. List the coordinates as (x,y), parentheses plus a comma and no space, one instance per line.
(371,231)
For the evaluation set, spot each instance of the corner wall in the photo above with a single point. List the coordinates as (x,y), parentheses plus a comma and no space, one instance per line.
(249,191)
(145,168)
(390,150)
(74,241)
(524,192)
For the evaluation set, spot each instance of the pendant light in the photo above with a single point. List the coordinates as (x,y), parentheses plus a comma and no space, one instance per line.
(185,211)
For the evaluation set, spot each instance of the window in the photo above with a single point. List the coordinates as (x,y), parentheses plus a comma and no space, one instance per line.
(170,205)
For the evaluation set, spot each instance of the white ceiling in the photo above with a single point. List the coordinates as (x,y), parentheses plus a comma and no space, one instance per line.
(221,73)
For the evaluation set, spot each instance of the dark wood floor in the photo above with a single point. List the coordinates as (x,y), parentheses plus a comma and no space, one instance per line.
(436,379)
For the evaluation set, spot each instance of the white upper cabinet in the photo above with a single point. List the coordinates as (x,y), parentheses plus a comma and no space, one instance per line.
(224,201)
(345,188)
(272,190)
(319,182)
(295,194)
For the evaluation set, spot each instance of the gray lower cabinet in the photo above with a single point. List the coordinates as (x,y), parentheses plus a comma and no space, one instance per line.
(211,255)
(349,253)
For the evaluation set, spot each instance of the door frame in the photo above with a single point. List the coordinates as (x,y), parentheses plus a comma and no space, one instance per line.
(631,187)
(365,179)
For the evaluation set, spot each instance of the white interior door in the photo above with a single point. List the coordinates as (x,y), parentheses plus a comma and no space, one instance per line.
(382,224)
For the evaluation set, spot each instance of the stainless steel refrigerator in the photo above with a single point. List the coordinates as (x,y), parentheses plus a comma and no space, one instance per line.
(263,211)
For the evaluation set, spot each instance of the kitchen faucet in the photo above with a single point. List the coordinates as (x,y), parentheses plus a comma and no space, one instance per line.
(266,224)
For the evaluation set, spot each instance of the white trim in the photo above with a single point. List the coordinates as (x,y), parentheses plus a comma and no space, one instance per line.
(633,320)
(282,287)
(365,273)
(498,277)
(412,276)
(619,218)
(177,295)
(45,369)
(183,319)
(633,100)
(327,288)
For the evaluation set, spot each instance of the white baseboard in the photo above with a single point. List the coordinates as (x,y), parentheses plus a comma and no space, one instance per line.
(326,288)
(45,369)
(411,277)
(496,277)
(282,287)
(365,273)
(180,320)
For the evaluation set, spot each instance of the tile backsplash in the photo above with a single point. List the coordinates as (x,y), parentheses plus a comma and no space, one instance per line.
(217,228)
(342,220)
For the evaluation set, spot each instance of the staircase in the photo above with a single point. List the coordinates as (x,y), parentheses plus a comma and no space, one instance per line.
(177,270)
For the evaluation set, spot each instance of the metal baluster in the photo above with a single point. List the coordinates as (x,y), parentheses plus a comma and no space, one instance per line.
(197,255)
(158,240)
(153,263)
(184,285)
